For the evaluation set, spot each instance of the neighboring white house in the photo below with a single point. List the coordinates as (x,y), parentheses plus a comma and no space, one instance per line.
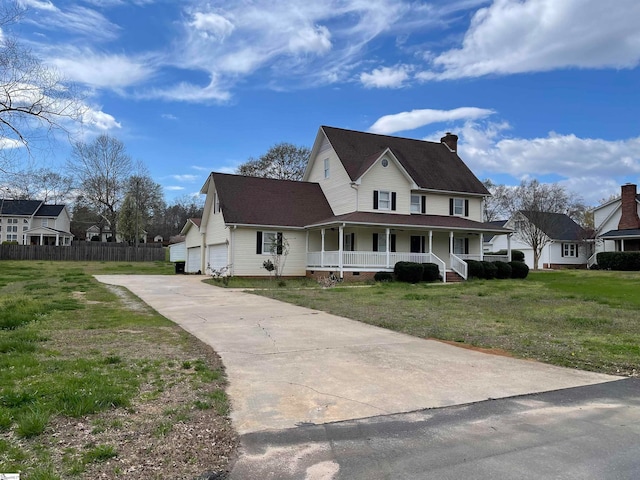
(94,233)
(567,245)
(366,202)
(617,223)
(32,222)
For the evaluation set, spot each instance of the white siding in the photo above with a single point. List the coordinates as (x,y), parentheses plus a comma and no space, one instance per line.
(246,262)
(438,204)
(178,252)
(218,256)
(193,238)
(337,188)
(388,178)
(194,260)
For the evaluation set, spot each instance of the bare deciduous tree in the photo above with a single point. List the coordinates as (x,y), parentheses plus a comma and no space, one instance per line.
(34,100)
(39,184)
(101,169)
(283,161)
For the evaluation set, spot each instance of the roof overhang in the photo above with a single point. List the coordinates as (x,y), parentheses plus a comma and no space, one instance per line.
(621,234)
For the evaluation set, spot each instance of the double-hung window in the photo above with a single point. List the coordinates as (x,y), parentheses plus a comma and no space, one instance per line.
(269,243)
(460,245)
(459,207)
(326,168)
(569,250)
(384,200)
(418,204)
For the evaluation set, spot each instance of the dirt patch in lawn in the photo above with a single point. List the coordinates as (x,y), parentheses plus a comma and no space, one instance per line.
(491,351)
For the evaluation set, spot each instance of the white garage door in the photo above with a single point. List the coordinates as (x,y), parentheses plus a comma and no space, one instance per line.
(193,260)
(217,256)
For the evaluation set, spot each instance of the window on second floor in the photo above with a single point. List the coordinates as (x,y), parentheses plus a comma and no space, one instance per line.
(326,168)
(45,222)
(418,204)
(459,207)
(384,200)
(216,203)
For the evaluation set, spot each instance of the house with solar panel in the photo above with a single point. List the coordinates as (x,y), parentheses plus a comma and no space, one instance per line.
(32,222)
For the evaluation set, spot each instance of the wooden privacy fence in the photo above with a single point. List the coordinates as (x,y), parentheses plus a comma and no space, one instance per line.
(85,252)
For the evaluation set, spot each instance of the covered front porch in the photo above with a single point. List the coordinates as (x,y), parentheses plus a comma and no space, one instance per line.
(46,236)
(371,248)
(616,241)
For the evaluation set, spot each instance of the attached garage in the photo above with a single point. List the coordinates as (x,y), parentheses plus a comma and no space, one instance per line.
(218,256)
(193,260)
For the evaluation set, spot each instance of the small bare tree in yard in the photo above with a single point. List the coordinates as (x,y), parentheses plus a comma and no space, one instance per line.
(279,250)
(539,208)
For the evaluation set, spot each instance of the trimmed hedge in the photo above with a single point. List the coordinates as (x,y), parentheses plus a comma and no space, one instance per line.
(625,261)
(410,272)
(431,272)
(383,277)
(516,255)
(475,269)
(490,270)
(519,269)
(504,270)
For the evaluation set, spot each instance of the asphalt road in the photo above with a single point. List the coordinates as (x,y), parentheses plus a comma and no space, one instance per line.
(582,433)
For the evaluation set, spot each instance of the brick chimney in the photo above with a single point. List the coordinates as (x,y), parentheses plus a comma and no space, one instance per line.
(629,219)
(451,141)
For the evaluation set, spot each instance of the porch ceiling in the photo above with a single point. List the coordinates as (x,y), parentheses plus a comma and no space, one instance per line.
(421,222)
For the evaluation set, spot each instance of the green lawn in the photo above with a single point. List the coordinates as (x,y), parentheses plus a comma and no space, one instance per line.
(76,352)
(583,319)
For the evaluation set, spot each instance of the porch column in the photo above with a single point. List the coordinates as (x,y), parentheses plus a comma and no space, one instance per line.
(41,239)
(481,246)
(622,244)
(430,241)
(57,239)
(322,248)
(508,247)
(340,249)
(387,234)
(307,249)
(450,242)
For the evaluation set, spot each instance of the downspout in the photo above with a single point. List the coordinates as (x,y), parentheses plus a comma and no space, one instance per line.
(232,256)
(354,185)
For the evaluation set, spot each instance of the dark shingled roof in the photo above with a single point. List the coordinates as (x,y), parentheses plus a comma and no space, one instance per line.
(557,226)
(634,232)
(409,221)
(266,201)
(495,223)
(431,165)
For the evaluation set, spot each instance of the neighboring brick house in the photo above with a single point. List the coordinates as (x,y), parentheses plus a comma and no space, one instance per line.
(32,222)
(366,202)
(617,223)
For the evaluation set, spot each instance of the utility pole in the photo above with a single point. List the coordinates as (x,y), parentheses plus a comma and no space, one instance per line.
(137,215)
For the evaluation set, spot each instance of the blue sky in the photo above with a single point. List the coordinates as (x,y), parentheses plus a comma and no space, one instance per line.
(544,89)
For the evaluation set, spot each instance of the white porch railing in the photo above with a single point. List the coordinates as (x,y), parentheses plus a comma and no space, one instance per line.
(459,266)
(486,258)
(593,260)
(331,259)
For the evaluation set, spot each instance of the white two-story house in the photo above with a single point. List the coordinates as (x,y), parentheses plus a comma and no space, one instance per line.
(32,222)
(366,202)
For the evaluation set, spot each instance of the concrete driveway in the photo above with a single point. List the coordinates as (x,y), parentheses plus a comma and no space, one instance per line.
(290,366)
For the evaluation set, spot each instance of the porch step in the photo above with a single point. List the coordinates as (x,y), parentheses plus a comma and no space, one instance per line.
(453,277)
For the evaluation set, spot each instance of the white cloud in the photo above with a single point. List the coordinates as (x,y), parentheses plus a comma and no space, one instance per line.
(185,178)
(188,92)
(173,188)
(514,36)
(212,25)
(314,40)
(386,77)
(99,120)
(76,20)
(101,70)
(168,116)
(418,118)
(592,167)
